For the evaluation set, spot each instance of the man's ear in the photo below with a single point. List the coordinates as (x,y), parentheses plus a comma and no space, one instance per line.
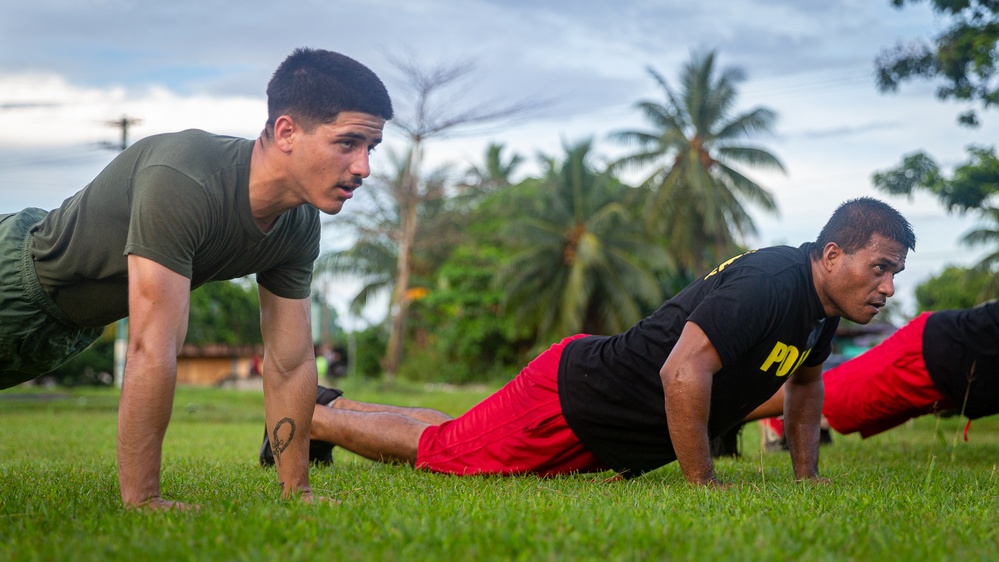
(831,253)
(285,131)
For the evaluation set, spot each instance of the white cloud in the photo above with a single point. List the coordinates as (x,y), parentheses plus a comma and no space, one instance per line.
(39,110)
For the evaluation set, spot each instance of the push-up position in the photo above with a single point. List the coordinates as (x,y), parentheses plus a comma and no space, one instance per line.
(175,211)
(658,392)
(940,362)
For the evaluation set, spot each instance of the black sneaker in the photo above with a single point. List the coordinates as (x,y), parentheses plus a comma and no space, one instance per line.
(320,452)
(825,437)
(727,444)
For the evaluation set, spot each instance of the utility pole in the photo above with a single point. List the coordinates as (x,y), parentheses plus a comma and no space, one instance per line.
(124,123)
(121,327)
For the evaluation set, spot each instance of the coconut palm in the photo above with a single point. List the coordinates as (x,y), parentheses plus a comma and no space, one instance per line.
(697,197)
(583,266)
(987,235)
(495,171)
(402,231)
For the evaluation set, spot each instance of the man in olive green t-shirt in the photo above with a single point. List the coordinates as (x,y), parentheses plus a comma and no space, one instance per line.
(178,210)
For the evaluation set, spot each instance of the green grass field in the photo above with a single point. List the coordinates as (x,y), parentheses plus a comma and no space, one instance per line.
(914,493)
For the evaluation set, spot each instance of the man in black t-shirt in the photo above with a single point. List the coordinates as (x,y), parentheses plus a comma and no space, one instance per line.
(657,392)
(178,210)
(944,361)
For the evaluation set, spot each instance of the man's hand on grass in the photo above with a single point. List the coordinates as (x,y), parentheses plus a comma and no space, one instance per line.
(309,497)
(814,480)
(157,503)
(714,483)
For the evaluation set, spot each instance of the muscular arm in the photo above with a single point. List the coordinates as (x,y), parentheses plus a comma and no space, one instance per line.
(687,376)
(802,414)
(158,304)
(290,382)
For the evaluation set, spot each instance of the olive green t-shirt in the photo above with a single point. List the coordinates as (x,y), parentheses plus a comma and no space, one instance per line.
(181,200)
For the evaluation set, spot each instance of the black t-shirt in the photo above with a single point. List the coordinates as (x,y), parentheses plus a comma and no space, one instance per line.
(761,313)
(953,340)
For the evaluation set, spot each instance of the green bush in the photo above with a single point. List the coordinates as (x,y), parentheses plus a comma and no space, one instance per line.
(369,349)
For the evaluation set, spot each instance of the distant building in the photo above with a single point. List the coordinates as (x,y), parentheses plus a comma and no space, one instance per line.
(215,364)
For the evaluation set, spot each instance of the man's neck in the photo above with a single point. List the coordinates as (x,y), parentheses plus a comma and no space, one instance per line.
(266,182)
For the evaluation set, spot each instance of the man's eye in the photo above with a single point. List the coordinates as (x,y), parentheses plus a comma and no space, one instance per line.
(880,268)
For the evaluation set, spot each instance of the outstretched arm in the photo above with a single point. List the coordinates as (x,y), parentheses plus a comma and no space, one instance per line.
(687,376)
(290,382)
(158,303)
(802,415)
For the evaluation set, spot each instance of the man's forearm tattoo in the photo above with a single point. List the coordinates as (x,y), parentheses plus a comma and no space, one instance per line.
(279,443)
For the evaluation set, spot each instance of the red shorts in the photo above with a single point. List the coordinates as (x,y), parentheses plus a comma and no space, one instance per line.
(519,429)
(885,387)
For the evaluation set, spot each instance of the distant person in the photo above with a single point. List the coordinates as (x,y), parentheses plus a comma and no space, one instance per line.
(658,392)
(173,212)
(940,362)
(322,361)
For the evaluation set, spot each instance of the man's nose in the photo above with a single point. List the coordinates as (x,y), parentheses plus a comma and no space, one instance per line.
(360,166)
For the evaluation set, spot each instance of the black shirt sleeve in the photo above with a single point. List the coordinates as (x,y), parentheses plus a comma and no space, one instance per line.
(738,313)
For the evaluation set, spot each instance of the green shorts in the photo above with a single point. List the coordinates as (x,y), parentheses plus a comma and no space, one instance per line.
(35,336)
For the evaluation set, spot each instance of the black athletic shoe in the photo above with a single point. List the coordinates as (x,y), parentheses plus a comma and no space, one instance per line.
(266,455)
(320,452)
(825,437)
(727,444)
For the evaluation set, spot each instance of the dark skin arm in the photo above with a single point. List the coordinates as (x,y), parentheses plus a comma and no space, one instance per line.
(687,375)
(802,415)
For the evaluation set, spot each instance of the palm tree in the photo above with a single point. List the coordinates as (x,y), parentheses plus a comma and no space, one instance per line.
(696,197)
(401,226)
(431,107)
(987,236)
(374,222)
(583,266)
(495,173)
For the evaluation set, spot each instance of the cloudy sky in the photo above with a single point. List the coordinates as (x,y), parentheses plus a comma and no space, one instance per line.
(68,67)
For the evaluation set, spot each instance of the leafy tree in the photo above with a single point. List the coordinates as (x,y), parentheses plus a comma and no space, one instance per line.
(225,312)
(369,346)
(462,333)
(954,287)
(698,197)
(374,222)
(972,188)
(430,108)
(583,263)
(963,56)
(987,235)
(969,188)
(378,223)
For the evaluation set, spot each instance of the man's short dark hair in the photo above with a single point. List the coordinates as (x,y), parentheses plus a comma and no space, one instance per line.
(314,85)
(854,223)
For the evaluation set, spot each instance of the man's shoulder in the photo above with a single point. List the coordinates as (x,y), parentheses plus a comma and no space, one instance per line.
(186,135)
(771,261)
(763,262)
(782,254)
(194,153)
(189,141)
